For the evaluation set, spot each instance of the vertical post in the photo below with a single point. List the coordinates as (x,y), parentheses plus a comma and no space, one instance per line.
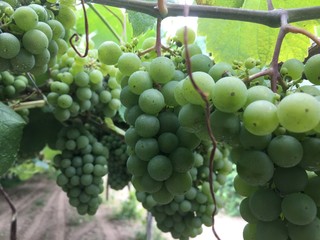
(149,226)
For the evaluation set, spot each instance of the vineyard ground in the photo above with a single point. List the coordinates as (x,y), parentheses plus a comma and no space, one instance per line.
(44,214)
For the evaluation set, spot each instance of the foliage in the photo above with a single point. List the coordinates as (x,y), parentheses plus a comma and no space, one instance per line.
(129,209)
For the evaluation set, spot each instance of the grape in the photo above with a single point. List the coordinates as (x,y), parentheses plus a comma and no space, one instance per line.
(67,17)
(58,31)
(242,187)
(59,87)
(190,34)
(203,81)
(129,63)
(139,81)
(162,196)
(160,168)
(311,69)
(9,45)
(292,69)
(253,142)
(168,142)
(249,232)
(285,151)
(200,62)
(179,183)
(168,122)
(259,93)
(246,212)
(193,49)
(299,208)
(42,58)
(161,70)
(225,126)
(312,189)
(109,53)
(265,204)
(25,18)
(182,159)
(23,62)
(179,94)
(84,93)
(136,166)
(229,94)
(146,148)
(290,180)
(220,70)
(255,167)
(28,41)
(275,230)
(147,125)
(260,117)
(64,101)
(192,118)
(62,45)
(168,93)
(310,231)
(250,63)
(311,154)
(151,101)
(95,76)
(298,112)
(81,79)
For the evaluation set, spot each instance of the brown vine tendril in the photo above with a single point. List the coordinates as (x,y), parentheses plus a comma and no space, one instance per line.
(13,228)
(158,37)
(208,125)
(76,35)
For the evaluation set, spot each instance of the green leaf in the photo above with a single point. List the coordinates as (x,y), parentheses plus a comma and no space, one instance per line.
(234,40)
(11,126)
(99,31)
(140,22)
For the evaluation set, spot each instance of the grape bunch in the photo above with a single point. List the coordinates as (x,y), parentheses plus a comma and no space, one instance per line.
(184,216)
(83,85)
(11,85)
(81,165)
(24,24)
(118,176)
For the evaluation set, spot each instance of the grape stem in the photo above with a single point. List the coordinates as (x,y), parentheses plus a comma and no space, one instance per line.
(268,18)
(106,22)
(158,37)
(270,5)
(208,124)
(28,105)
(162,7)
(13,228)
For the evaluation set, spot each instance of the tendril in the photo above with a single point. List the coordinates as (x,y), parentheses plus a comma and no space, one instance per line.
(76,35)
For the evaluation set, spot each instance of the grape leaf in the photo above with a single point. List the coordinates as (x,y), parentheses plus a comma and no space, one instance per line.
(99,32)
(234,40)
(140,22)
(11,126)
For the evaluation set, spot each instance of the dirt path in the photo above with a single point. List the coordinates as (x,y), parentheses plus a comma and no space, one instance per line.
(44,214)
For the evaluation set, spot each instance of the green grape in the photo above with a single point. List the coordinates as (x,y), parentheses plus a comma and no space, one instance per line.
(193,49)
(255,167)
(229,94)
(249,232)
(246,212)
(225,126)
(192,118)
(161,70)
(182,159)
(109,53)
(201,63)
(59,87)
(29,38)
(292,69)
(179,183)
(265,204)
(62,180)
(185,206)
(150,185)
(242,187)
(290,180)
(312,90)
(253,142)
(309,231)
(167,91)
(114,104)
(299,208)
(131,137)
(312,189)
(23,62)
(163,196)
(151,101)
(41,12)
(58,31)
(129,63)
(160,168)
(179,94)
(285,151)
(83,93)
(220,70)
(259,93)
(147,125)
(42,58)
(9,46)
(203,81)
(168,122)
(67,17)
(146,148)
(168,142)
(25,18)
(275,230)
(81,79)
(61,114)
(62,46)
(53,48)
(132,113)
(260,117)
(66,77)
(136,166)
(139,81)
(298,112)
(311,69)
(311,154)
(190,34)
(250,63)
(95,76)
